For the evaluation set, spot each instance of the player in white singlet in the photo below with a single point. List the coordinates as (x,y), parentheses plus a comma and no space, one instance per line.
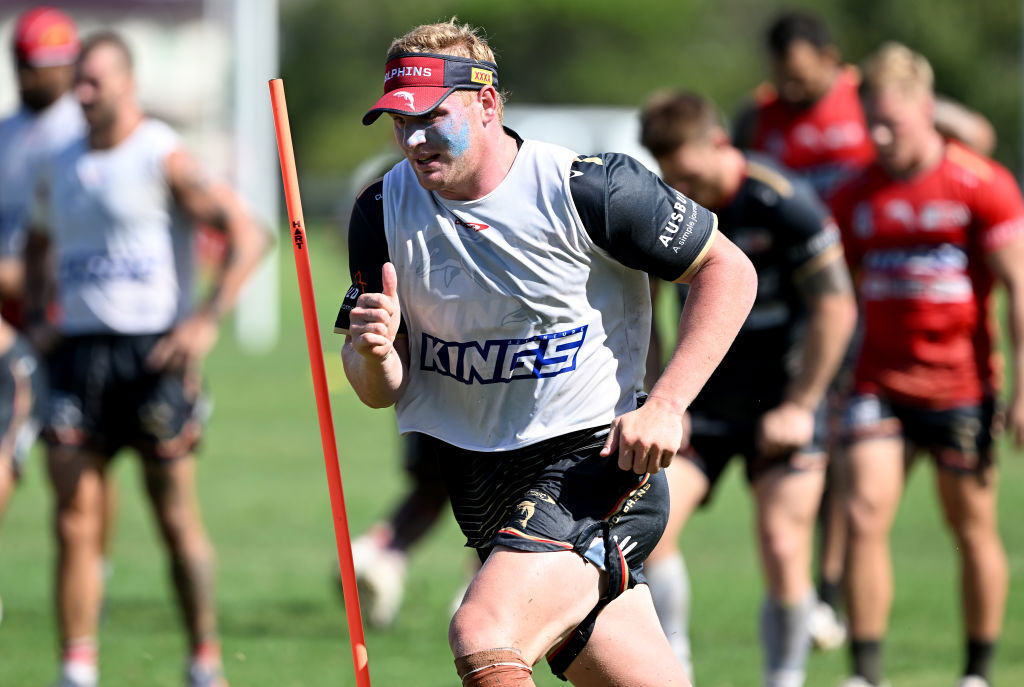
(126,352)
(500,303)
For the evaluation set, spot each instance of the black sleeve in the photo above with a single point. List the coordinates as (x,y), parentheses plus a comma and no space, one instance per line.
(637,218)
(367,251)
(808,224)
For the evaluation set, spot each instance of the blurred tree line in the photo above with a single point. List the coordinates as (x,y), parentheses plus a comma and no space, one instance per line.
(618,52)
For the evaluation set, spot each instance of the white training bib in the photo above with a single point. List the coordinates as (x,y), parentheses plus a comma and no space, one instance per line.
(27,139)
(123,253)
(520,328)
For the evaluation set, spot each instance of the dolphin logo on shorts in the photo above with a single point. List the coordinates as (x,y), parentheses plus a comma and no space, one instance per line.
(525,511)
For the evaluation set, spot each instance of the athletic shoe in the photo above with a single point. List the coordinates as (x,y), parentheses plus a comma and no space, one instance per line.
(972,681)
(381,584)
(77,678)
(828,631)
(202,674)
(858,681)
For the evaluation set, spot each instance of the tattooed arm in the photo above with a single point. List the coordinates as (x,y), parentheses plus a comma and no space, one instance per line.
(218,207)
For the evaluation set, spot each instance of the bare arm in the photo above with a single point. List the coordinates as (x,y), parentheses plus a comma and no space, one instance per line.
(216,206)
(722,289)
(954,120)
(828,291)
(1007,263)
(376,359)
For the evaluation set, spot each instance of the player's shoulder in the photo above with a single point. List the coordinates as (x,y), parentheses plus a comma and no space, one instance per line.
(765,173)
(158,135)
(971,166)
(372,194)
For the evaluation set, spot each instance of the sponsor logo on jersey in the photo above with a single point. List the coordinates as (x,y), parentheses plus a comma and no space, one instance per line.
(936,274)
(683,218)
(474,226)
(481,76)
(502,360)
(407,71)
(92,269)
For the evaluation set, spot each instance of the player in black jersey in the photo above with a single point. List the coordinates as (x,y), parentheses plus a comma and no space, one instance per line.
(764,402)
(500,303)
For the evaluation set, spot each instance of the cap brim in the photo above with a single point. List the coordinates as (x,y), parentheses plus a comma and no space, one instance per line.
(413,101)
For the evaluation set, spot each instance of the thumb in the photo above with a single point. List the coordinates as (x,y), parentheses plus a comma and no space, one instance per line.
(390,280)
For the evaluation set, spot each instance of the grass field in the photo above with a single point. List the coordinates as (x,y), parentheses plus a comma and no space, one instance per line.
(265,499)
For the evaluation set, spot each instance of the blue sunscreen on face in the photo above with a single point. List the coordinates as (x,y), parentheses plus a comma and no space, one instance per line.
(454,133)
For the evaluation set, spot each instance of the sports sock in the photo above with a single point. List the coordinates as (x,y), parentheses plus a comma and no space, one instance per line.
(867,659)
(979,658)
(206,652)
(669,583)
(494,668)
(786,640)
(78,662)
(830,591)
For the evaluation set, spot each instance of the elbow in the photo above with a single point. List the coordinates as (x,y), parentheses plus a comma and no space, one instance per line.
(746,281)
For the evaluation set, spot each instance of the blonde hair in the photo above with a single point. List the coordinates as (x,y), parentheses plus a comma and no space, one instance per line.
(895,66)
(447,38)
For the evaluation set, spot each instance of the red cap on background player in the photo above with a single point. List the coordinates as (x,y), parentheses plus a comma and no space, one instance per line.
(45,37)
(416,82)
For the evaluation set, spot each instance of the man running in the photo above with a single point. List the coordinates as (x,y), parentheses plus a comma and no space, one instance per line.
(129,344)
(929,229)
(500,302)
(765,401)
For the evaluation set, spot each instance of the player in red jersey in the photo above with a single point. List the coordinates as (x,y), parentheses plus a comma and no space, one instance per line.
(810,119)
(930,228)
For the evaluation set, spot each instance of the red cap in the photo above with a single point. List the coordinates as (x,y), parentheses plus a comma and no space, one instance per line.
(45,37)
(415,82)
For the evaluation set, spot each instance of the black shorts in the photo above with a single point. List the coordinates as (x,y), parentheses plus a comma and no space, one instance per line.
(554,496)
(714,442)
(22,402)
(103,397)
(959,439)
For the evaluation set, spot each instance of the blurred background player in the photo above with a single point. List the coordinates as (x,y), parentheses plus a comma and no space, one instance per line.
(128,347)
(811,120)
(45,46)
(380,555)
(765,401)
(929,229)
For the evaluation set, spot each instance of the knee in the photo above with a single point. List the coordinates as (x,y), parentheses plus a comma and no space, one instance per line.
(784,544)
(868,516)
(77,525)
(474,626)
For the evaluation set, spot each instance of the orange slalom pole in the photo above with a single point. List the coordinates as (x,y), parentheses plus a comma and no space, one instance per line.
(300,248)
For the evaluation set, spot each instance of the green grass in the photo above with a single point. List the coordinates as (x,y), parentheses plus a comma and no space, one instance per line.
(265,499)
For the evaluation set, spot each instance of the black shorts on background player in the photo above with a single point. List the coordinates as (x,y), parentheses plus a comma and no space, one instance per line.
(104,397)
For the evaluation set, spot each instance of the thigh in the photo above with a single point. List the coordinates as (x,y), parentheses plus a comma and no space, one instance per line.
(788,498)
(77,476)
(874,455)
(627,648)
(171,488)
(969,501)
(528,600)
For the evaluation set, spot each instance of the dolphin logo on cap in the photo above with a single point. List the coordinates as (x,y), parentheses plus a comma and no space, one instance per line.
(407,96)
